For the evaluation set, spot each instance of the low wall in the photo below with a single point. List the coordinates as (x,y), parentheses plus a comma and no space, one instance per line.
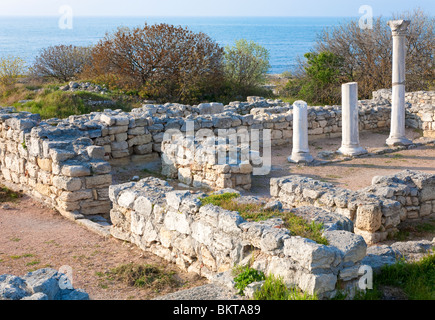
(57,165)
(376,210)
(209,240)
(67,162)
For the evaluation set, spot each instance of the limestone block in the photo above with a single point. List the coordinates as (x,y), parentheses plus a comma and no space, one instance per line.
(368,217)
(96,152)
(76,170)
(100,167)
(136,131)
(174,198)
(120,153)
(107,119)
(126,198)
(310,254)
(143,206)
(118,129)
(98,181)
(91,207)
(177,221)
(352,246)
(60,155)
(116,146)
(76,195)
(67,183)
(273,239)
(44,164)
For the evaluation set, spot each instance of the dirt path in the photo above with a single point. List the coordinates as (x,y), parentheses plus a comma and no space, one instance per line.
(34,237)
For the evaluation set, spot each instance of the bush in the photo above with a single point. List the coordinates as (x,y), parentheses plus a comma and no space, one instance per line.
(323,78)
(366,55)
(62,62)
(246,276)
(246,66)
(11,68)
(163,62)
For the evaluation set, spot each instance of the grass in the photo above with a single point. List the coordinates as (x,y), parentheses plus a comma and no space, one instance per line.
(255,212)
(7,195)
(414,230)
(52,103)
(274,288)
(143,276)
(415,279)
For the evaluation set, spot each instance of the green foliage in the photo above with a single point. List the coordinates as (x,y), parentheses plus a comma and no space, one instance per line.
(321,83)
(256,212)
(246,276)
(56,104)
(246,64)
(219,199)
(11,68)
(416,279)
(274,288)
(7,195)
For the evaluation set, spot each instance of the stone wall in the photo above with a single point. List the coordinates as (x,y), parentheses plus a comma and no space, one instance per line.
(209,240)
(420,109)
(196,163)
(376,210)
(58,165)
(65,162)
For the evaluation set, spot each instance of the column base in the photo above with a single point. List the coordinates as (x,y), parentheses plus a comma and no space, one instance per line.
(391,141)
(351,151)
(300,157)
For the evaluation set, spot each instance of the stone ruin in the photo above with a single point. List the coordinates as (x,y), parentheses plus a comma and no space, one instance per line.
(68,164)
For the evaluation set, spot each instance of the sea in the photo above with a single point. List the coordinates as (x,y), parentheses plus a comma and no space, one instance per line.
(286,38)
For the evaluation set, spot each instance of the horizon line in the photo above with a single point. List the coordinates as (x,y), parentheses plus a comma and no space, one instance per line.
(177,16)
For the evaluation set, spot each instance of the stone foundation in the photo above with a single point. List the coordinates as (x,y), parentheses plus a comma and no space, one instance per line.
(210,240)
(376,210)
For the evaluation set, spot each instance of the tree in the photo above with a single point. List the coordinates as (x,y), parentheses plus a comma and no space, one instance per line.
(367,53)
(246,65)
(323,78)
(163,62)
(62,62)
(10,69)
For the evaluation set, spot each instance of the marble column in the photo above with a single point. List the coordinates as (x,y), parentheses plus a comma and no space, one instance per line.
(349,120)
(300,151)
(397,128)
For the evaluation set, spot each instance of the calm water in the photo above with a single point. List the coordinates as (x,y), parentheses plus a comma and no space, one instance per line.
(285,38)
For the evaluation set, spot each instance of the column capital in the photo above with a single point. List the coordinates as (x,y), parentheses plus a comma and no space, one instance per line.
(399,27)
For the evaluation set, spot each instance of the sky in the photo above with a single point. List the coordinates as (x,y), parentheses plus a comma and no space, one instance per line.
(311,8)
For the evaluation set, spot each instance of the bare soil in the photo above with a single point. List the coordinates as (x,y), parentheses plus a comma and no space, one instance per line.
(33,237)
(351,174)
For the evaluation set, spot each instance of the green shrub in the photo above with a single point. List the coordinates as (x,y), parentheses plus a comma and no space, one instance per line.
(11,68)
(246,276)
(246,64)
